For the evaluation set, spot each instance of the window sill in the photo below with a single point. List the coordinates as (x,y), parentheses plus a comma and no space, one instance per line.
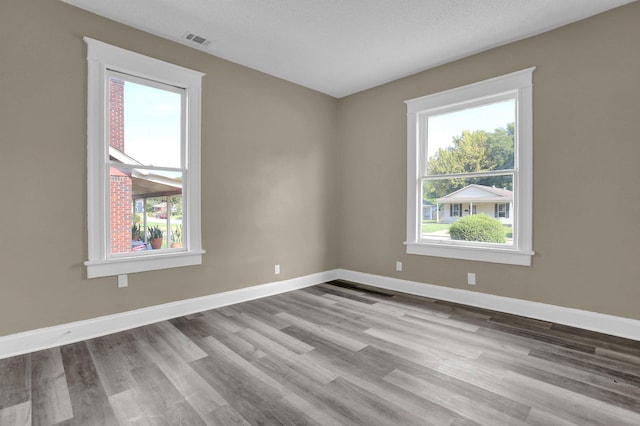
(479,254)
(129,265)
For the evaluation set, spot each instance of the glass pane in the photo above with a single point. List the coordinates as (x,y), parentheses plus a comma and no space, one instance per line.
(145,210)
(144,124)
(445,201)
(472,140)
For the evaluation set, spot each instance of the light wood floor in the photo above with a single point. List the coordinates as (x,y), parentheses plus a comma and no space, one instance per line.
(332,354)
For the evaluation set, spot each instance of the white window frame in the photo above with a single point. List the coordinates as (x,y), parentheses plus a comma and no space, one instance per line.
(517,85)
(102,58)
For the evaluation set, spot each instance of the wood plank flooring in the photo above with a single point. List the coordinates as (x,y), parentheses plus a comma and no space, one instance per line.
(333,354)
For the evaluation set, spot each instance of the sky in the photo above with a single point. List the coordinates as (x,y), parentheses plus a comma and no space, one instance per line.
(152,125)
(442,128)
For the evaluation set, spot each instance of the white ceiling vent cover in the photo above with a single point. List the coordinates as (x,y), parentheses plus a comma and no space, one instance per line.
(196,39)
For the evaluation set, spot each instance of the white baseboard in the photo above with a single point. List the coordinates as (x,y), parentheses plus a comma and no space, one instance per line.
(49,337)
(602,323)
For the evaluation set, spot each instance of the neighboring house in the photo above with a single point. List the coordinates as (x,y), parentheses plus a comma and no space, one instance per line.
(428,210)
(476,199)
(161,208)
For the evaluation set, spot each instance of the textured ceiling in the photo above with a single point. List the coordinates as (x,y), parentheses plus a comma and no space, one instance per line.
(340,47)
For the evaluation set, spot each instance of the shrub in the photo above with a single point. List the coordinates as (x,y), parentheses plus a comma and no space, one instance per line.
(479,227)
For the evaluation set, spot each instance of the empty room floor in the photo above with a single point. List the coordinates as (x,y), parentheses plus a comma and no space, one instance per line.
(332,354)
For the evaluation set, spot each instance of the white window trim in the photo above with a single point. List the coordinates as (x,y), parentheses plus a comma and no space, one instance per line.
(102,57)
(521,252)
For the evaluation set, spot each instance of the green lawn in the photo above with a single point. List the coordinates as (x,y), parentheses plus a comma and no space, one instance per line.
(430,226)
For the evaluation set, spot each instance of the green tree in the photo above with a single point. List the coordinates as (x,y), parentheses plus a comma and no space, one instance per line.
(472,151)
(500,151)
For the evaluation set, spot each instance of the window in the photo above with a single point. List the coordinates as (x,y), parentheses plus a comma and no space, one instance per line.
(143,163)
(470,151)
(502,210)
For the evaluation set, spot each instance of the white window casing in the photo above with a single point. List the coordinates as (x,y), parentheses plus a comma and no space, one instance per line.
(517,85)
(103,58)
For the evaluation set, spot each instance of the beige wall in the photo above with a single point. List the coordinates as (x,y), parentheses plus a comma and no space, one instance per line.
(268,161)
(586,154)
(295,177)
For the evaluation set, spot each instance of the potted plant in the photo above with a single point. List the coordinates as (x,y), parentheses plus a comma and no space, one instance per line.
(155,236)
(136,233)
(176,237)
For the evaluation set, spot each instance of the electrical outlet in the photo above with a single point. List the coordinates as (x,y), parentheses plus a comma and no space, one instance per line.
(276,269)
(123,281)
(398,266)
(471,278)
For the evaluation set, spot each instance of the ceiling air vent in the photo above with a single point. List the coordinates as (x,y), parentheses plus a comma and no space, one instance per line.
(196,39)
